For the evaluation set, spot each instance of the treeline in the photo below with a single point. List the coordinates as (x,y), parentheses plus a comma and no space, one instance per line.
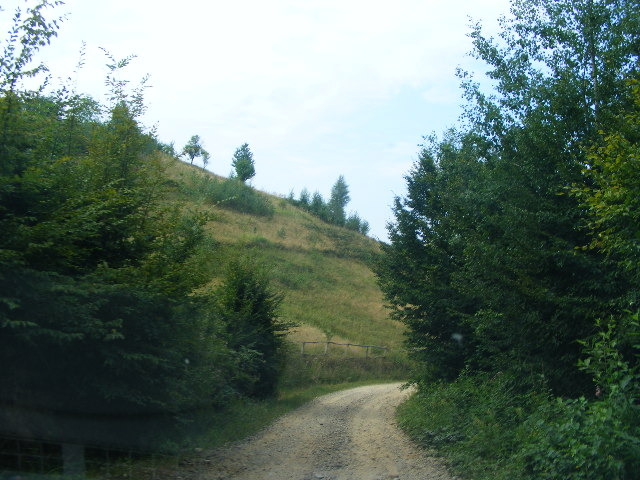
(514,257)
(333,210)
(233,193)
(105,308)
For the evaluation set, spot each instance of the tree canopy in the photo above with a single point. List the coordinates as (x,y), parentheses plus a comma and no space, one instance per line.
(332,211)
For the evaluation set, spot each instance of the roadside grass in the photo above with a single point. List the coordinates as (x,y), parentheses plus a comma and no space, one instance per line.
(304,379)
(475,423)
(342,366)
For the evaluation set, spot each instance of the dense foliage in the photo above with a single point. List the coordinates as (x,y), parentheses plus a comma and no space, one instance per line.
(332,211)
(517,240)
(104,308)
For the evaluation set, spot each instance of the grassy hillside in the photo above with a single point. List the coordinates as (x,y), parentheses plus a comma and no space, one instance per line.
(323,270)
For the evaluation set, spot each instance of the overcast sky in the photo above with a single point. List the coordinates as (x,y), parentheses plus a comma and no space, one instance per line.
(317,88)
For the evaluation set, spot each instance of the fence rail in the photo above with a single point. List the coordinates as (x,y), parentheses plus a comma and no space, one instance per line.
(368,349)
(26,458)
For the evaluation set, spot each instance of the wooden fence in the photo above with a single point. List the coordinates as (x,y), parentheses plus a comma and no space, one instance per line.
(369,350)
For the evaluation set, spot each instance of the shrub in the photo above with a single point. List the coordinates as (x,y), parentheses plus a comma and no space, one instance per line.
(475,422)
(581,439)
(229,193)
(249,308)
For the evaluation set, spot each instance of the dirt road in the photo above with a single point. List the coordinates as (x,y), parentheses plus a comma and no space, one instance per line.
(347,435)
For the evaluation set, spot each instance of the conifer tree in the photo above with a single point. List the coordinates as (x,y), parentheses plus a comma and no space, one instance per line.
(338,201)
(243,163)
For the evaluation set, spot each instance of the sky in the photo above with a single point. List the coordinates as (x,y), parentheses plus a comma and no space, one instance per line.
(317,88)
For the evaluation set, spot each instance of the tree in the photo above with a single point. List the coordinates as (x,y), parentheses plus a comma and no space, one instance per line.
(249,308)
(483,263)
(193,148)
(305,198)
(243,163)
(611,194)
(364,227)
(338,201)
(614,195)
(29,31)
(100,304)
(354,222)
(416,272)
(205,159)
(318,206)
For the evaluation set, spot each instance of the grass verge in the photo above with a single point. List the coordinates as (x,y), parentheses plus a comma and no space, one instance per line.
(475,423)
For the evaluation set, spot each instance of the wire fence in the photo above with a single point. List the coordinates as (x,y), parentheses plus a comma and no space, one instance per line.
(309,348)
(27,459)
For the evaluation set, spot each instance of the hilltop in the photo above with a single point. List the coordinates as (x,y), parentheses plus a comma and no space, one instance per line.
(323,270)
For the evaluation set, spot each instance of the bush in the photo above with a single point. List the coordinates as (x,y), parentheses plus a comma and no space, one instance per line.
(584,440)
(475,422)
(580,439)
(491,428)
(249,309)
(229,193)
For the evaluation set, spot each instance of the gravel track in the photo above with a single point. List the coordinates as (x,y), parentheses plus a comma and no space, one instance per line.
(346,435)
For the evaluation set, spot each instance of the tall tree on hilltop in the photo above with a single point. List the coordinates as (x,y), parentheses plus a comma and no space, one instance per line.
(243,163)
(338,201)
(194,149)
(318,206)
(305,198)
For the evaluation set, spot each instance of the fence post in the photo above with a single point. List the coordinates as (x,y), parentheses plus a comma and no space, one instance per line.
(73,461)
(326,347)
(302,352)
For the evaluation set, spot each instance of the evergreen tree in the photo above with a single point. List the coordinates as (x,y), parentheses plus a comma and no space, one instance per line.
(249,308)
(305,198)
(243,163)
(318,206)
(338,201)
(100,304)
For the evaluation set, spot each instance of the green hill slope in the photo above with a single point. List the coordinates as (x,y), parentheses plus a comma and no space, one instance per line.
(322,269)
